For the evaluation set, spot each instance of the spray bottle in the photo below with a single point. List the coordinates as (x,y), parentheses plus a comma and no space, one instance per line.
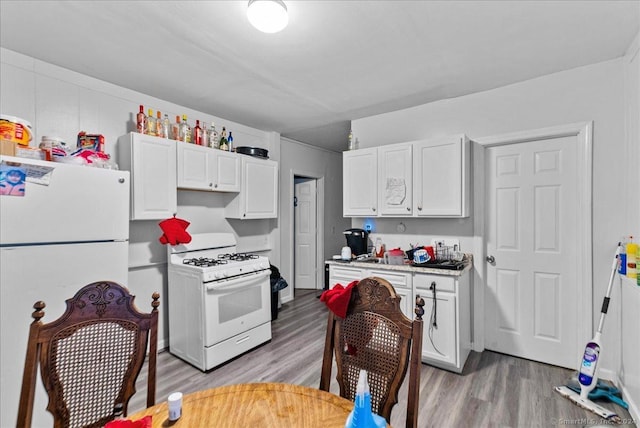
(361,416)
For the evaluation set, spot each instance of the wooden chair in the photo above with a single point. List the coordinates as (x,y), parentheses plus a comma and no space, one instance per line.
(377,337)
(90,357)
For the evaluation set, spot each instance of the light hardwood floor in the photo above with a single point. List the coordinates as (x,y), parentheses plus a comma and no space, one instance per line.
(494,390)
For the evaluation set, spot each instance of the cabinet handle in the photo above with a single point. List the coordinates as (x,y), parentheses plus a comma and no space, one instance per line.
(373,209)
(210,184)
(408,209)
(419,208)
(121,180)
(215,185)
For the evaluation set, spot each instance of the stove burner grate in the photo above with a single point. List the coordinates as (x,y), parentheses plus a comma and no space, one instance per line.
(203,262)
(237,257)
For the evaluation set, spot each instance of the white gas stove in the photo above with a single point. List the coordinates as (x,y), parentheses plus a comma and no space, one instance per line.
(219,300)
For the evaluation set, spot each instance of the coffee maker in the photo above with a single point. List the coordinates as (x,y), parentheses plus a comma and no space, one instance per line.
(357,240)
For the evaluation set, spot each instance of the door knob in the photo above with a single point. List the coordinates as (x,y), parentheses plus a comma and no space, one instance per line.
(491,259)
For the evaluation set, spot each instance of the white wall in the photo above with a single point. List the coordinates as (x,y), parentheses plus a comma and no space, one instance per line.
(308,161)
(594,92)
(59,102)
(629,370)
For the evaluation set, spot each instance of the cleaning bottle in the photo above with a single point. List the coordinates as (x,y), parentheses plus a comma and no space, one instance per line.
(361,416)
(622,257)
(632,250)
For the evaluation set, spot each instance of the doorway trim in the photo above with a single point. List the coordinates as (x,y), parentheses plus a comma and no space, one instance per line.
(583,131)
(293,173)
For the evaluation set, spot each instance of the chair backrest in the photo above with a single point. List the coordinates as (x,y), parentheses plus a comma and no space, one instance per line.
(377,337)
(90,357)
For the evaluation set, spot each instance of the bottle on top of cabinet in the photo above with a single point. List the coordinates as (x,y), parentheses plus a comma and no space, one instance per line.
(175,129)
(151,123)
(197,133)
(159,129)
(185,130)
(230,141)
(205,134)
(214,143)
(166,127)
(141,120)
(223,139)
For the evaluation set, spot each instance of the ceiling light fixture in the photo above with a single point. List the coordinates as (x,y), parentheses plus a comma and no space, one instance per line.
(268,16)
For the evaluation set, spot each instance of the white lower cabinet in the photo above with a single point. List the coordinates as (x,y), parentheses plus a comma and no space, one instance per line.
(400,281)
(446,336)
(343,275)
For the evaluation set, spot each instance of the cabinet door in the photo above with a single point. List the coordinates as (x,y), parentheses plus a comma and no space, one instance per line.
(193,167)
(439,337)
(225,171)
(395,180)
(360,178)
(258,197)
(441,177)
(152,163)
(343,275)
(406,301)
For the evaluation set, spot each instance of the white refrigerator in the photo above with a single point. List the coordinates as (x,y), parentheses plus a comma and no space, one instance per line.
(70,228)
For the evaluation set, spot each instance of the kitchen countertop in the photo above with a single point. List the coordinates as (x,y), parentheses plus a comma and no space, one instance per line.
(407,267)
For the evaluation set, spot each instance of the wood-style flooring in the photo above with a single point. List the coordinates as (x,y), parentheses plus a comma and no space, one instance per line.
(494,390)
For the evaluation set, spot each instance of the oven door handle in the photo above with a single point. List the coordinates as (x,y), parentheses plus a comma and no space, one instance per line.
(242,280)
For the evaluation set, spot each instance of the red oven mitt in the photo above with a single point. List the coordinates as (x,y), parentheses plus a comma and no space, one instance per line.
(175,231)
(337,299)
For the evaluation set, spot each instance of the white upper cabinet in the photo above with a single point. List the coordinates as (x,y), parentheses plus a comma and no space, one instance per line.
(152,163)
(360,178)
(203,168)
(258,197)
(395,180)
(425,178)
(441,177)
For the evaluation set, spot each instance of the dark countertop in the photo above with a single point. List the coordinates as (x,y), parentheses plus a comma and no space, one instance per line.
(407,267)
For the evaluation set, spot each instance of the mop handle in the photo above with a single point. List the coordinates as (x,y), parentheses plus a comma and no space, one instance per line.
(605,302)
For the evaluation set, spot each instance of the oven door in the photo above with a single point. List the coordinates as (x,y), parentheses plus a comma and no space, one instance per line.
(233,306)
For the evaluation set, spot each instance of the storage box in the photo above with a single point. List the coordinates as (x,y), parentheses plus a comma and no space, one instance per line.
(7,148)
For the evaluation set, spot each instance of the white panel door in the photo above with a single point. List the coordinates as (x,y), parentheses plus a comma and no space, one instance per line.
(532,230)
(305,234)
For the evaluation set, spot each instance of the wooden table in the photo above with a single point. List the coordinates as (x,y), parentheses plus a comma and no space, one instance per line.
(264,405)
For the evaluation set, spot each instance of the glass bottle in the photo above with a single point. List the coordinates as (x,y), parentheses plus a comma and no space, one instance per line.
(166,126)
(230,141)
(223,139)
(159,128)
(197,133)
(141,121)
(151,123)
(175,129)
(214,143)
(185,130)
(352,143)
(205,134)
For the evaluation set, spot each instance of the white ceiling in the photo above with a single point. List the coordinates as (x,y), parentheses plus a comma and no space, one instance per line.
(336,61)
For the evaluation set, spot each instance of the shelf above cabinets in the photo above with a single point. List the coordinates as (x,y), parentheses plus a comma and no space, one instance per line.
(426,178)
